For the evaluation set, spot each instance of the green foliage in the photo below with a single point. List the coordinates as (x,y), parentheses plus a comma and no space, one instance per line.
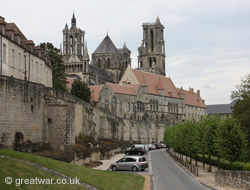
(231,141)
(59,77)
(211,136)
(81,90)
(241,111)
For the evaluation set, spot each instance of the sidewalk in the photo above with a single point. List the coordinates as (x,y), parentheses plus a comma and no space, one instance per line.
(205,177)
(106,163)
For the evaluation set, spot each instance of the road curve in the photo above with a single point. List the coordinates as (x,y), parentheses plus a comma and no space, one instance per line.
(167,175)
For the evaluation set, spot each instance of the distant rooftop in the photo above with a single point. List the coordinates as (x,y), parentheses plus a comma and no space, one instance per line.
(220,108)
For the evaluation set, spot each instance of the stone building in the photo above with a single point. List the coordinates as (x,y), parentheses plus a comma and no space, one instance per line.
(114,61)
(194,106)
(20,57)
(151,53)
(107,65)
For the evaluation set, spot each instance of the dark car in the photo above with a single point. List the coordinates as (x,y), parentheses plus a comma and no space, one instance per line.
(135,151)
(158,146)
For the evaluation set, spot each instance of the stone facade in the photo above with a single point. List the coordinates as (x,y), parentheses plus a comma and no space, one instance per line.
(34,116)
(149,97)
(108,63)
(235,179)
(151,53)
(20,58)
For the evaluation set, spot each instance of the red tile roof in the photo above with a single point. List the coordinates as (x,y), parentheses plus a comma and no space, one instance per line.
(192,98)
(130,89)
(152,81)
(95,92)
(69,82)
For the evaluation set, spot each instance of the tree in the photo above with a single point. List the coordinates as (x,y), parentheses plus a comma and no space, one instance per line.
(230,140)
(59,77)
(241,109)
(81,90)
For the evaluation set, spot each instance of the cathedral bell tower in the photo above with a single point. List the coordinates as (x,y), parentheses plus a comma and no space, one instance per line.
(151,56)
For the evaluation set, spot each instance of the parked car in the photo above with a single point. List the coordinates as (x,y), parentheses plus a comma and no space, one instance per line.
(135,150)
(163,145)
(157,145)
(134,163)
(150,147)
(144,146)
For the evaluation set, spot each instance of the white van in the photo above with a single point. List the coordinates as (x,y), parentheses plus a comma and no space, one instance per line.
(144,146)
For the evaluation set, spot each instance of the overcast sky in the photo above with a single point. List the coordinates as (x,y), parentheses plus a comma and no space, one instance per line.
(207,42)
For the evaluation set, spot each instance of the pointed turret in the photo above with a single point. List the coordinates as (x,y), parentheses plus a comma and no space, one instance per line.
(158,20)
(125,46)
(73,21)
(85,53)
(66,27)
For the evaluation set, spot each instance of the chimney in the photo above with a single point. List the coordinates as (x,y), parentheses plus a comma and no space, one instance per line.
(191,90)
(198,92)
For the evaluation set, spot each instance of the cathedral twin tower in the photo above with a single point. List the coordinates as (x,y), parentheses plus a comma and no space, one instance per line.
(108,62)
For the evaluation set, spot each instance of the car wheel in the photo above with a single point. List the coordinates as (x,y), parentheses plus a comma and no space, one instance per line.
(114,168)
(139,153)
(135,169)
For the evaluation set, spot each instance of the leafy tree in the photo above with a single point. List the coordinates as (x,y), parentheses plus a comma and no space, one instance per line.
(59,77)
(241,109)
(81,90)
(231,141)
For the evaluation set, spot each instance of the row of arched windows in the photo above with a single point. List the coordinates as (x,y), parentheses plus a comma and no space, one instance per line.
(103,65)
(76,67)
(172,107)
(153,105)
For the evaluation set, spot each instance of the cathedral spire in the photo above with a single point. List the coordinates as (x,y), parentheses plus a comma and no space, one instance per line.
(73,21)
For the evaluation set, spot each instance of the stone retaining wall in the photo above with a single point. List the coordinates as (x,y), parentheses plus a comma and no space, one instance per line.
(236,179)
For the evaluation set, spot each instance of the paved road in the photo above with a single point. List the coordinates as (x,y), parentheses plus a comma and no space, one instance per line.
(167,175)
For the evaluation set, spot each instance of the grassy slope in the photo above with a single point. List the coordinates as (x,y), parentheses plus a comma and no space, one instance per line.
(97,178)
(15,169)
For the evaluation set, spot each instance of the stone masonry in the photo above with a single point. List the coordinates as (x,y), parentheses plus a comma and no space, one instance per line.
(33,116)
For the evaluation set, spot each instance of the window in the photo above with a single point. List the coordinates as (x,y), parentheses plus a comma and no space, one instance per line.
(19,61)
(106,104)
(128,106)
(24,61)
(37,71)
(106,91)
(108,63)
(132,107)
(99,63)
(13,58)
(120,105)
(4,53)
(41,72)
(32,69)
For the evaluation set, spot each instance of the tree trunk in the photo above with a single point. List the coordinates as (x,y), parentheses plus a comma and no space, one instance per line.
(218,162)
(210,168)
(196,158)
(203,159)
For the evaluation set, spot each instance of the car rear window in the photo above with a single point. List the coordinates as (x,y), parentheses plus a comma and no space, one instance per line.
(143,159)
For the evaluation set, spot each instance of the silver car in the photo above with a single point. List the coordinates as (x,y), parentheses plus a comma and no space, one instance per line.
(134,163)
